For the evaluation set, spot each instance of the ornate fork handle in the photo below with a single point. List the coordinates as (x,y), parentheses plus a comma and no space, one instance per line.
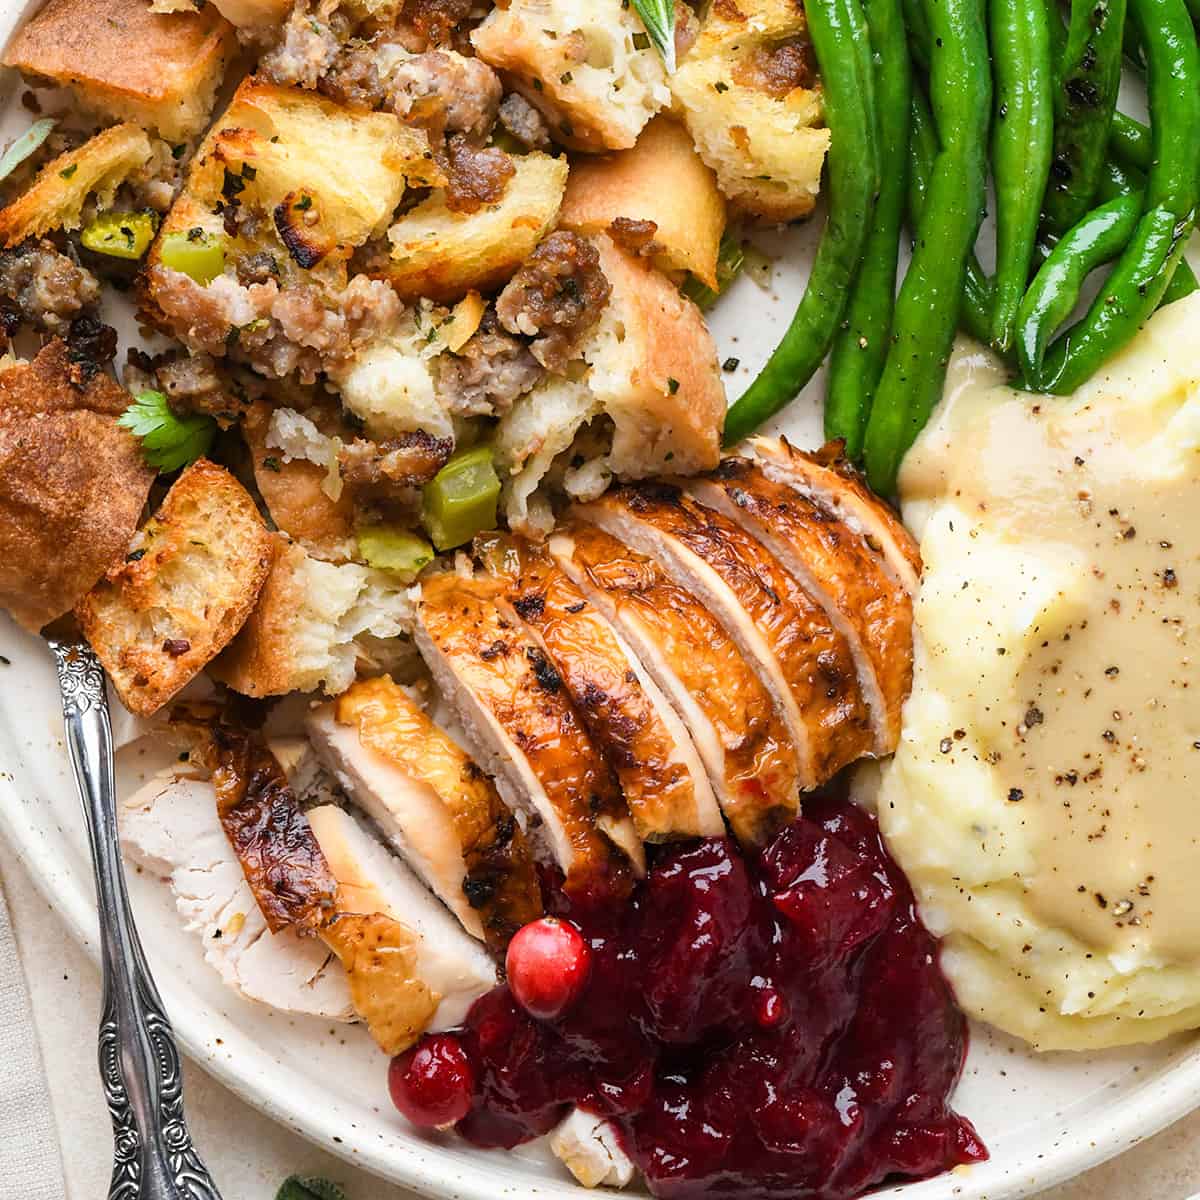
(153,1158)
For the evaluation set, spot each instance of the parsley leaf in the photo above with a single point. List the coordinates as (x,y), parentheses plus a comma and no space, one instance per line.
(168,441)
(296,1188)
(658,16)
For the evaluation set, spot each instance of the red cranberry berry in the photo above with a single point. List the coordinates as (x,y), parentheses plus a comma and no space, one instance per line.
(433,1083)
(548,963)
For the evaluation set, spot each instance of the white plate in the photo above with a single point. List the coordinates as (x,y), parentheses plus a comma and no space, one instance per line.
(1044,1118)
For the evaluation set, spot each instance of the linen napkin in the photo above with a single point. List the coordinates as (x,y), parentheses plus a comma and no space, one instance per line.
(30,1162)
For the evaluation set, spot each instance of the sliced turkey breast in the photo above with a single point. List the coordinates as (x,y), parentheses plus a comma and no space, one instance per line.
(453,966)
(432,804)
(171,828)
(742,741)
(523,730)
(827,475)
(625,712)
(833,563)
(399,969)
(780,629)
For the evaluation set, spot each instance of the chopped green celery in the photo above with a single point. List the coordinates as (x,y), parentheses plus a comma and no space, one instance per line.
(394,550)
(460,500)
(197,253)
(121,234)
(731,257)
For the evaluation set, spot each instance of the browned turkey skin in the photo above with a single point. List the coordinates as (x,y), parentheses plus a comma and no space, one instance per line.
(746,747)
(782,631)
(626,715)
(524,730)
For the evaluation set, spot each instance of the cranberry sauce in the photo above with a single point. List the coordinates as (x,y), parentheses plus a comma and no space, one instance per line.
(755,1027)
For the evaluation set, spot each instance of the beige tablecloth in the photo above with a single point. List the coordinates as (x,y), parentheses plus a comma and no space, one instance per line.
(30,1162)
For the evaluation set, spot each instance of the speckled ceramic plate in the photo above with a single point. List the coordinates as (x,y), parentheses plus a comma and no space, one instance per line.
(1044,1118)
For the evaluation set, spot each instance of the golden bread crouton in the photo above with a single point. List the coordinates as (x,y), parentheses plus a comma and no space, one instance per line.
(441,254)
(661,182)
(654,370)
(336,173)
(588,65)
(72,483)
(748,93)
(128,63)
(306,629)
(190,581)
(260,17)
(295,493)
(56,197)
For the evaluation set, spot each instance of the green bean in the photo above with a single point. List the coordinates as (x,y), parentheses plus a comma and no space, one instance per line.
(1133,291)
(1089,77)
(930,298)
(1145,270)
(1097,239)
(838,33)
(860,347)
(1129,142)
(976,315)
(1022,144)
(919,37)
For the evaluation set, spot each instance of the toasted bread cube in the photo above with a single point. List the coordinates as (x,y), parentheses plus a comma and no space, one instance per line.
(661,180)
(586,64)
(254,17)
(352,167)
(312,623)
(190,581)
(761,135)
(296,492)
(653,376)
(128,63)
(56,197)
(72,484)
(442,255)
(654,370)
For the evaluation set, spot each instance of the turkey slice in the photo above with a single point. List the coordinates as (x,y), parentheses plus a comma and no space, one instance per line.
(170,826)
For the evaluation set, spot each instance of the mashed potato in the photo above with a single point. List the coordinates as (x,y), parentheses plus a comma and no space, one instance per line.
(1044,797)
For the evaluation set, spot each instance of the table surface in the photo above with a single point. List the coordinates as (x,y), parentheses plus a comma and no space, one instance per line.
(250,1156)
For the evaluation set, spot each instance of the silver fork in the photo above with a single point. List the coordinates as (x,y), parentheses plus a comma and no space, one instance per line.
(153,1158)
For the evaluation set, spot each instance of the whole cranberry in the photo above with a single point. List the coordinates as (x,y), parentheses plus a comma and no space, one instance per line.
(548,963)
(432,1084)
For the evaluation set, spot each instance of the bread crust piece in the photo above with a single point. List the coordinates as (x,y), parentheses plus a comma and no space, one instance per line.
(72,484)
(192,578)
(56,197)
(766,143)
(443,255)
(128,63)
(661,180)
(655,372)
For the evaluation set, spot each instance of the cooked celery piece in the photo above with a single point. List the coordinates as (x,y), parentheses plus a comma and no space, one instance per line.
(197,253)
(731,257)
(121,234)
(25,145)
(460,500)
(396,551)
